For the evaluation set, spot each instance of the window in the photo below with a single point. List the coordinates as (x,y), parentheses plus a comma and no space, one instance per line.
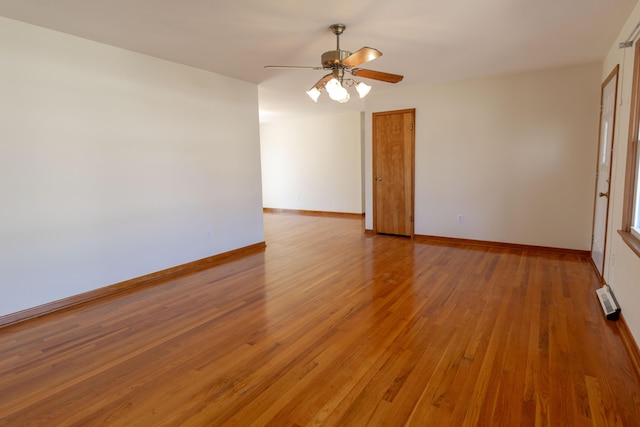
(635,218)
(631,211)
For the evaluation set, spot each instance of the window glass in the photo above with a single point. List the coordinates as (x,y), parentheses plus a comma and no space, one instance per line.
(635,223)
(631,210)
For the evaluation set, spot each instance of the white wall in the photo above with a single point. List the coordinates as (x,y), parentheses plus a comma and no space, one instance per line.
(514,154)
(313,163)
(114,165)
(622,266)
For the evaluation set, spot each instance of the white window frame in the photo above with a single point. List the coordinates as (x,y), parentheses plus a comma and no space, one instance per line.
(630,231)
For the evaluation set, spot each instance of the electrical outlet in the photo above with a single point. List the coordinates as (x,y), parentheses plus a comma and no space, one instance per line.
(460,219)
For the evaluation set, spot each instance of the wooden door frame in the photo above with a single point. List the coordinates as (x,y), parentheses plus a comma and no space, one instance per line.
(412,111)
(612,74)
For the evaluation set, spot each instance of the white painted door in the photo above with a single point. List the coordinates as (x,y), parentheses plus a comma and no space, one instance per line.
(605,147)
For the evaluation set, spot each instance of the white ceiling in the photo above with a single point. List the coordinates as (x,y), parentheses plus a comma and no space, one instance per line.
(425,40)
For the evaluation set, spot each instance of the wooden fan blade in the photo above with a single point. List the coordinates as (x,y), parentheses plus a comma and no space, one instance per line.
(361,56)
(302,67)
(377,75)
(320,83)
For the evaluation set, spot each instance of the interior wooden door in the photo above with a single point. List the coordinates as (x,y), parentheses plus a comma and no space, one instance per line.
(608,98)
(393,172)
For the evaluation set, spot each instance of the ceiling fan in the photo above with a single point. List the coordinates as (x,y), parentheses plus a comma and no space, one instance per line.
(340,62)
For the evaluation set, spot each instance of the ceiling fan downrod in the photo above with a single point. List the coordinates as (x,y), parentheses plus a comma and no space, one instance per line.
(337,29)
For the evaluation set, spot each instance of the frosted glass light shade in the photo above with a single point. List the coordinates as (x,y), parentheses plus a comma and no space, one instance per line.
(314,93)
(336,91)
(363,89)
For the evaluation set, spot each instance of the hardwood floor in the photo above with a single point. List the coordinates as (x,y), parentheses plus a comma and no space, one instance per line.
(329,326)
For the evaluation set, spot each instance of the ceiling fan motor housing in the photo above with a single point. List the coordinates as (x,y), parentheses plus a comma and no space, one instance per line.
(333,58)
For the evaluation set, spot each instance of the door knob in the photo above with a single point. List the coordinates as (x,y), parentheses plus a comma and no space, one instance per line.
(604,194)
(378,178)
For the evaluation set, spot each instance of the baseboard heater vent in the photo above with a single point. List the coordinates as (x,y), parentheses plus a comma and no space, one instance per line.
(608,302)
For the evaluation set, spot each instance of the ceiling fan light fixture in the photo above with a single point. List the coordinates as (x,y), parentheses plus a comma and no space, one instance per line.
(336,91)
(340,62)
(314,93)
(363,89)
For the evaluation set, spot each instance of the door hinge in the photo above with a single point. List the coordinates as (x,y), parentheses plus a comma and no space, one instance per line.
(410,126)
